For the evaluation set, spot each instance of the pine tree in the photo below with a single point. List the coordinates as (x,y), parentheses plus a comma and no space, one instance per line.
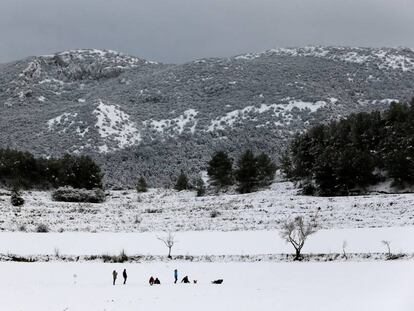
(182,182)
(220,170)
(246,173)
(266,170)
(142,185)
(200,186)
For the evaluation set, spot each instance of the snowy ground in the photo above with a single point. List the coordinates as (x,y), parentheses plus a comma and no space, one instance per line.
(211,225)
(379,286)
(201,243)
(161,209)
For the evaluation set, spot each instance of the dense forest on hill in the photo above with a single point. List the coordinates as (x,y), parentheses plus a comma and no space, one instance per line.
(23,170)
(348,155)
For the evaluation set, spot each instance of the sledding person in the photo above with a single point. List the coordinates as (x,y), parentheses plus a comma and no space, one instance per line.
(156,281)
(125,276)
(114,276)
(151,281)
(185,280)
(175,276)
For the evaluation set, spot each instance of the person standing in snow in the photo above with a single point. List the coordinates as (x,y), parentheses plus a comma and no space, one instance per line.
(175,276)
(114,276)
(124,274)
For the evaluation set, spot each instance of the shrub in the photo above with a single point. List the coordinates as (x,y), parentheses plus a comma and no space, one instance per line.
(69,194)
(16,199)
(42,228)
(214,214)
(142,185)
(182,182)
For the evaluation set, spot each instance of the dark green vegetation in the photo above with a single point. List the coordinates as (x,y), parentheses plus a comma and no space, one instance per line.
(142,185)
(346,156)
(252,172)
(23,170)
(69,194)
(182,182)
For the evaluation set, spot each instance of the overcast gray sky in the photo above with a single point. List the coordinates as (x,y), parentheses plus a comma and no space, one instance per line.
(183,30)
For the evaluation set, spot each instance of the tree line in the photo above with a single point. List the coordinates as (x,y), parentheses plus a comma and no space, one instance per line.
(348,155)
(250,173)
(22,170)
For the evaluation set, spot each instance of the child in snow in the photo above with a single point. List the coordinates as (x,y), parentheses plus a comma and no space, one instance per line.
(156,281)
(124,274)
(114,276)
(151,281)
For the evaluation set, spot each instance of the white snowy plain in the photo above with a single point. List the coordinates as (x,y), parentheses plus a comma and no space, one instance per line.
(344,286)
(199,243)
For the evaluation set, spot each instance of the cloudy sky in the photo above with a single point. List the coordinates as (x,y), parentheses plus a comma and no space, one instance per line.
(182,30)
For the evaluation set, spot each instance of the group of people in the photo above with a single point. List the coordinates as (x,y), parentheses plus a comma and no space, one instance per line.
(156,281)
(115,276)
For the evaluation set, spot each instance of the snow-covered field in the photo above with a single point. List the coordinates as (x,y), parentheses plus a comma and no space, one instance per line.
(379,286)
(161,209)
(199,243)
(207,226)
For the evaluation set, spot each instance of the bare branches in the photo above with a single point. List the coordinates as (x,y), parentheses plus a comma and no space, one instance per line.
(387,244)
(297,231)
(344,246)
(169,241)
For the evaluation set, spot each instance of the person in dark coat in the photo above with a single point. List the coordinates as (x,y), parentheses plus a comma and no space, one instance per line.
(156,281)
(114,276)
(151,281)
(185,280)
(175,276)
(125,276)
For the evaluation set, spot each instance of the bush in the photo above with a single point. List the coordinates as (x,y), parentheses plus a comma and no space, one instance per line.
(142,185)
(182,182)
(42,228)
(69,194)
(16,199)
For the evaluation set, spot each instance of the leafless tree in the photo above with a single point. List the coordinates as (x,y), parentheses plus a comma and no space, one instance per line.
(296,232)
(344,246)
(387,244)
(168,241)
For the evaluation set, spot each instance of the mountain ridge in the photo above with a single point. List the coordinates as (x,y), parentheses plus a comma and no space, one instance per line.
(141,117)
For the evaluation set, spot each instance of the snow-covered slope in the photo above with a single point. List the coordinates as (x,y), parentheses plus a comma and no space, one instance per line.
(160,210)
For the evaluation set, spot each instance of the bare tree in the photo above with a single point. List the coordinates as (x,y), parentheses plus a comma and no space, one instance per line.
(296,232)
(168,241)
(344,246)
(387,244)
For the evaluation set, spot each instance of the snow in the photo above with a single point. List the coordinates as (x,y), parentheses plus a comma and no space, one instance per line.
(176,125)
(41,98)
(389,59)
(278,110)
(114,124)
(114,57)
(385,101)
(65,119)
(379,286)
(198,243)
(164,209)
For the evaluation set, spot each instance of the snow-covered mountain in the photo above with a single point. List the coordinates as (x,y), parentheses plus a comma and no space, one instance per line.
(141,117)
